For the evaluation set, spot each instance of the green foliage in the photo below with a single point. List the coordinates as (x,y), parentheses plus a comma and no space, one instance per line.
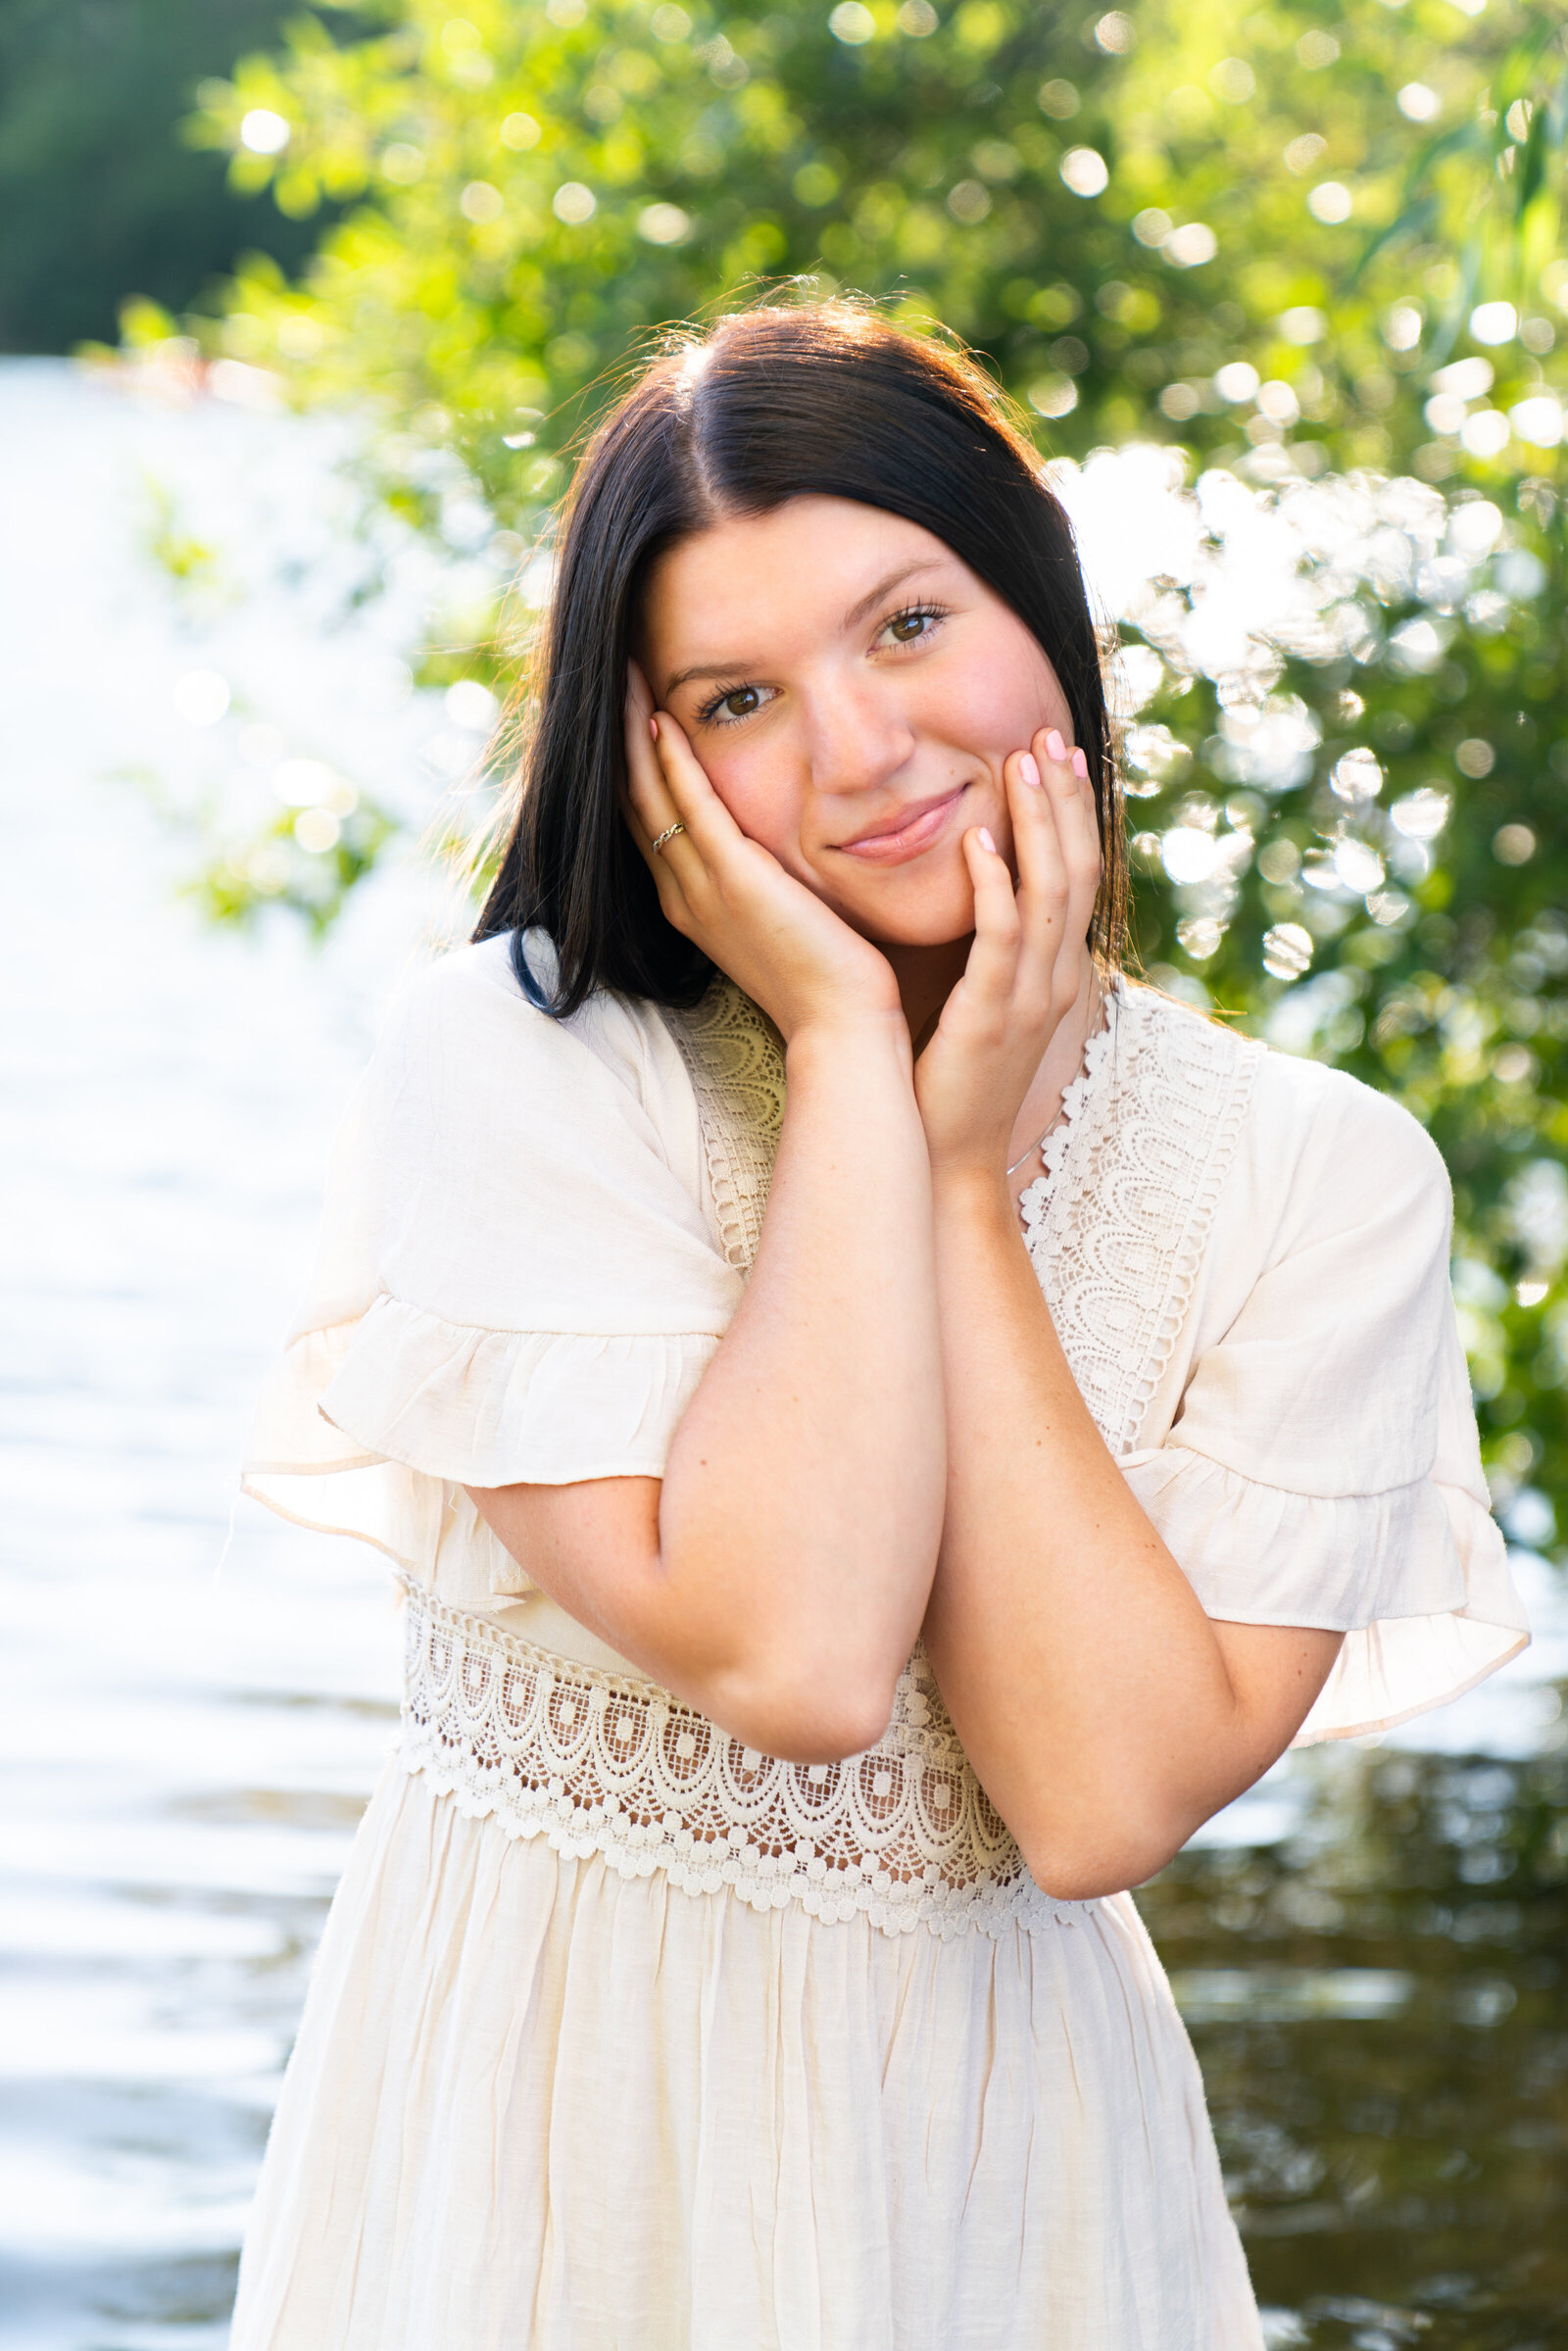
(1401,911)
(531,193)
(97,193)
(1307,246)
(313,877)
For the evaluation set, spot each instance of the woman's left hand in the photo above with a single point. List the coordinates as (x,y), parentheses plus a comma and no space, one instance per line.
(1025,967)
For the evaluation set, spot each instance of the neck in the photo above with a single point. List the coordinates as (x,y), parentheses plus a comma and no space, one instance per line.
(1059,1064)
(926,977)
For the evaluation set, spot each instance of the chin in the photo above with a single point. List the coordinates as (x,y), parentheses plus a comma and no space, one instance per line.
(931,916)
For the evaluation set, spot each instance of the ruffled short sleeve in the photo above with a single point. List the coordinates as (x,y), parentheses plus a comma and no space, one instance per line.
(1323,1467)
(516,1280)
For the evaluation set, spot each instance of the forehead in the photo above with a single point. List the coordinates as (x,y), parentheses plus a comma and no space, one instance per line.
(801,566)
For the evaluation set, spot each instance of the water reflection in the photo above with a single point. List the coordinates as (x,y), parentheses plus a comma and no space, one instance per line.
(183,1759)
(1378,2000)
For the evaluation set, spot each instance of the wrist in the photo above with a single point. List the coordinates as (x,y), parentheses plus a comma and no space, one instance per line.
(973,1189)
(833,1038)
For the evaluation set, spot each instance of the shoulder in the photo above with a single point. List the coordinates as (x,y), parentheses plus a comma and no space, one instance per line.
(467,1018)
(1317,1150)
(1315,1120)
(1330,1158)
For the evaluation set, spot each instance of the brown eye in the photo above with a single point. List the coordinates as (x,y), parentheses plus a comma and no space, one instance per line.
(742,702)
(907,626)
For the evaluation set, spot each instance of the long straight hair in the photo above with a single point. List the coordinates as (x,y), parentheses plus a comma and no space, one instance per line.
(821,400)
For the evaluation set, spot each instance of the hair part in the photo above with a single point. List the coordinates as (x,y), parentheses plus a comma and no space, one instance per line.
(816,400)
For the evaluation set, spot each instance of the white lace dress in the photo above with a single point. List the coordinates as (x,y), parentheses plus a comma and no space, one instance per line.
(624,2037)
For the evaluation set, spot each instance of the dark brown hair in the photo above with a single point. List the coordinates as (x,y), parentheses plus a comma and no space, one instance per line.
(825,400)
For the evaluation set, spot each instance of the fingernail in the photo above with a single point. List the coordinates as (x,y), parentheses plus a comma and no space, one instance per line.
(1029,769)
(652,728)
(1055,749)
(1080,765)
(986,841)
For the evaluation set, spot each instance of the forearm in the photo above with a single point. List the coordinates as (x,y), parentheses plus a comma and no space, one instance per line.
(1088,1684)
(801,1502)
(777,1577)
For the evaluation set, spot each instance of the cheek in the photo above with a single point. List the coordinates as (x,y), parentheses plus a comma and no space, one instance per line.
(995,703)
(759,794)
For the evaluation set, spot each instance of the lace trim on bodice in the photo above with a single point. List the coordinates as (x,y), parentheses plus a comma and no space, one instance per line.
(735,1059)
(903,1834)
(601,1764)
(1117,1226)
(1052,1148)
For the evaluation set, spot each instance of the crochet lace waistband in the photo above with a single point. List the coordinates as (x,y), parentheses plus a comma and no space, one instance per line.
(599,1764)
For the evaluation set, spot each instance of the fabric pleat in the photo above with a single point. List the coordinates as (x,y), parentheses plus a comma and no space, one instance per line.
(533,2098)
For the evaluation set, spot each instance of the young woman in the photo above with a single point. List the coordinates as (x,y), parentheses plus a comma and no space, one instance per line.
(885,1427)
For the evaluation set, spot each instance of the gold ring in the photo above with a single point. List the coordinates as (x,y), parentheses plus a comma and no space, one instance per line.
(668,834)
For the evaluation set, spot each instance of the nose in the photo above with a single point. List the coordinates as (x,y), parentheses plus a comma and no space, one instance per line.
(858,735)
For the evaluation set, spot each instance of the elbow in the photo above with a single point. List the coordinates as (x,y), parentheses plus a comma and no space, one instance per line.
(805,1718)
(1066,1880)
(1089,1860)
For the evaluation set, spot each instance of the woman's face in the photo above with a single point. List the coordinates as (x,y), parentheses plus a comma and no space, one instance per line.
(852,690)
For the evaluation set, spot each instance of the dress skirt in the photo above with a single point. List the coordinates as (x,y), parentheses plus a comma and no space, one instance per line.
(538,2105)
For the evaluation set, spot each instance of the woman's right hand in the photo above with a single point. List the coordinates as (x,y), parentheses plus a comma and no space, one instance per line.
(731,897)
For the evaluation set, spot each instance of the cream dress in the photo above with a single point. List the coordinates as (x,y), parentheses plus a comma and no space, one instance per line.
(624,2037)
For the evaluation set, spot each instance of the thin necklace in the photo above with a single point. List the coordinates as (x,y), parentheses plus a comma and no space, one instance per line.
(1096,1009)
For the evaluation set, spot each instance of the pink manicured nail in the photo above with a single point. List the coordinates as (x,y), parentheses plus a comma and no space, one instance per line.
(986,841)
(1080,765)
(1055,749)
(652,728)
(1029,768)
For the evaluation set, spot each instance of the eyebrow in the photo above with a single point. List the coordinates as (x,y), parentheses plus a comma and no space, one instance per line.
(856,614)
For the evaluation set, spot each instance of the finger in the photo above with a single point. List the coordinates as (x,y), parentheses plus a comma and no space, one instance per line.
(1034,796)
(1064,772)
(992,962)
(710,828)
(1078,829)
(649,807)
(646,803)
(1043,877)
(1080,834)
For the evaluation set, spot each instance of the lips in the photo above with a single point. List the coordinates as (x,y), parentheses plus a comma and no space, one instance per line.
(911,831)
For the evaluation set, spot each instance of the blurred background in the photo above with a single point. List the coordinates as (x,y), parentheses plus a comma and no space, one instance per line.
(303,312)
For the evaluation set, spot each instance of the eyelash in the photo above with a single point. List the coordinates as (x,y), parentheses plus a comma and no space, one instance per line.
(708,715)
(915,611)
